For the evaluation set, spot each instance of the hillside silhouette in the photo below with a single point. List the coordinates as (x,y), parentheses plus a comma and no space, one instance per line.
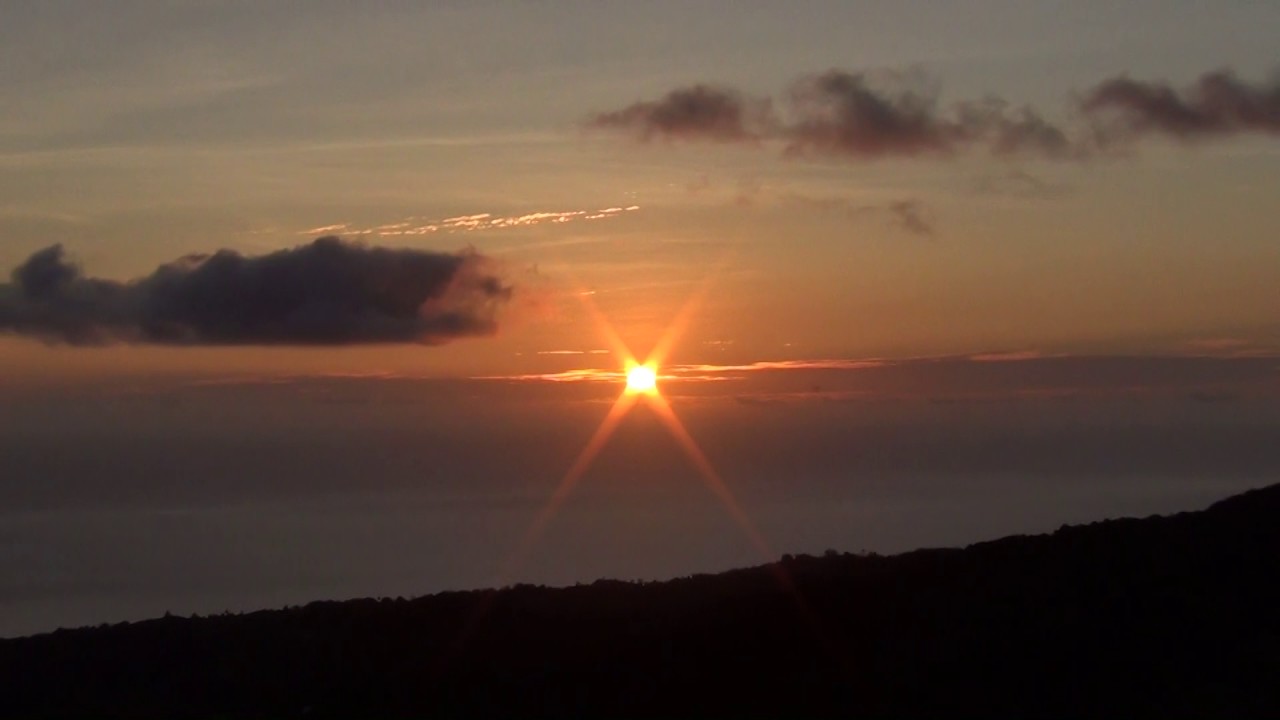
(1175,616)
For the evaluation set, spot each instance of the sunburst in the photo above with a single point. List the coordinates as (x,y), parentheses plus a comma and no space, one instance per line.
(642,380)
(642,385)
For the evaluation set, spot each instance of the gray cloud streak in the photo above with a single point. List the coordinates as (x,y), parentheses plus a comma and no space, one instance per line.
(1217,105)
(910,216)
(328,292)
(846,114)
(855,116)
(841,114)
(699,112)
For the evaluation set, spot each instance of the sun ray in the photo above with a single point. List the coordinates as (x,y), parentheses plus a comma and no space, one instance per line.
(709,474)
(604,327)
(611,336)
(721,489)
(658,356)
(642,385)
(619,410)
(678,325)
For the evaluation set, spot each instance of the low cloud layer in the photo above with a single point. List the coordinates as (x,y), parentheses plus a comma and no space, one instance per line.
(328,292)
(857,116)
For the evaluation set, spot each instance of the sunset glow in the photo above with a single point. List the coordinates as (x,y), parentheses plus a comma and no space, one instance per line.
(305,301)
(641,384)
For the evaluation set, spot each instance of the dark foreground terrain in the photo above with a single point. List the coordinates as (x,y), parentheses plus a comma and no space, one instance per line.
(1159,617)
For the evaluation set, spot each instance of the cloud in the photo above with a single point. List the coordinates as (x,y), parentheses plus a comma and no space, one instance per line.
(689,372)
(842,114)
(857,116)
(910,217)
(1018,183)
(1233,347)
(469,223)
(907,214)
(847,114)
(839,113)
(699,112)
(328,292)
(1217,105)
(1007,356)
(701,371)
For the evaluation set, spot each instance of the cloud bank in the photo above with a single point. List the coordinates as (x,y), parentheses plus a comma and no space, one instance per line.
(328,292)
(857,116)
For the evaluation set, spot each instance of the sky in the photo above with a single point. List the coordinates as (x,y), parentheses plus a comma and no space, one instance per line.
(323,300)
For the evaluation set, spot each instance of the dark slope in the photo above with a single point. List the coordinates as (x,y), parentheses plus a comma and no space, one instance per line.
(1160,617)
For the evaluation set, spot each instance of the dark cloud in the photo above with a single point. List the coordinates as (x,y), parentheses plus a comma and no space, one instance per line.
(840,113)
(908,214)
(1015,182)
(843,114)
(910,217)
(1218,104)
(1006,130)
(700,112)
(858,116)
(329,292)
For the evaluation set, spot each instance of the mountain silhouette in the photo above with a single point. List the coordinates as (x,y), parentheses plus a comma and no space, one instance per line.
(1174,616)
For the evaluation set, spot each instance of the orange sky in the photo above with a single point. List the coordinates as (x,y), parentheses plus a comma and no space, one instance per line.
(208,142)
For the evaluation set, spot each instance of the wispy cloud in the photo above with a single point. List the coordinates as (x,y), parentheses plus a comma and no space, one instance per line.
(1008,356)
(907,214)
(1232,347)
(1018,183)
(1219,343)
(910,216)
(469,223)
(689,372)
(580,375)
(837,364)
(990,376)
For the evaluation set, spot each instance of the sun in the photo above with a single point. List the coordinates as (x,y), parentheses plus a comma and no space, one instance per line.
(642,379)
(641,388)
